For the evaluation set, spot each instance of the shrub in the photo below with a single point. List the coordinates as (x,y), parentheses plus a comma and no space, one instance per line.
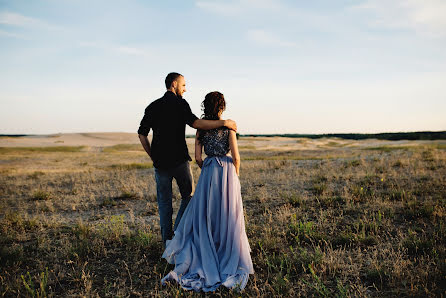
(41,195)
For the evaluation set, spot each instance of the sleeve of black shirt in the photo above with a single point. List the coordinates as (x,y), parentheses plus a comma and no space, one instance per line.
(146,122)
(189,117)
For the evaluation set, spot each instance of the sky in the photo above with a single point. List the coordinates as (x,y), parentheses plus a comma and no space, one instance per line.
(348,66)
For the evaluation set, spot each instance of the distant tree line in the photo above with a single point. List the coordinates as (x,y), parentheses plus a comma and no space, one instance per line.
(394,136)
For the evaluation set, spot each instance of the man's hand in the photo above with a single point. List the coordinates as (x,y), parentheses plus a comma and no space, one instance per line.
(231,125)
(145,144)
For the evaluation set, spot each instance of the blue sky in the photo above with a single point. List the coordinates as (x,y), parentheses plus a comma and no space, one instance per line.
(283,66)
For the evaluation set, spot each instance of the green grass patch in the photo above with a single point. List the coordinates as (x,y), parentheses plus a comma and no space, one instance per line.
(113,228)
(303,232)
(34,291)
(320,178)
(377,276)
(108,202)
(334,144)
(36,174)
(368,226)
(319,188)
(11,254)
(344,238)
(417,246)
(398,195)
(438,146)
(294,199)
(361,193)
(41,195)
(428,155)
(18,221)
(124,147)
(389,148)
(414,209)
(318,285)
(332,201)
(282,267)
(368,240)
(132,166)
(127,195)
(352,163)
(141,238)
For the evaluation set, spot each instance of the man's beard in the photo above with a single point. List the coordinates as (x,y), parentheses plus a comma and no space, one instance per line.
(178,95)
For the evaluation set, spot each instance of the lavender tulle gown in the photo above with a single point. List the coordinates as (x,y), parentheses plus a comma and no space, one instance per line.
(210,247)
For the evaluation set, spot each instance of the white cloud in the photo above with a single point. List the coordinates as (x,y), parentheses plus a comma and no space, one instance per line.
(10,34)
(426,17)
(18,20)
(267,38)
(15,19)
(218,7)
(89,44)
(132,51)
(122,49)
(237,7)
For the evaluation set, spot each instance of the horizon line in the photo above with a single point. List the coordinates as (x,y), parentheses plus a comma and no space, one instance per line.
(241,134)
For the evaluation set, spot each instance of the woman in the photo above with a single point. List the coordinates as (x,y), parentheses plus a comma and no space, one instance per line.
(210,247)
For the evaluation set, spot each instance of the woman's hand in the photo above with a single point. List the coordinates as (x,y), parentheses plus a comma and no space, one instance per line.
(199,162)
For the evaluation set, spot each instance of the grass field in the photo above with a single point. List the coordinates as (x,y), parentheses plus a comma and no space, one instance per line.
(343,218)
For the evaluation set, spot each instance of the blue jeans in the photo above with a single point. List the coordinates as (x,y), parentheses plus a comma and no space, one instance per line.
(184,179)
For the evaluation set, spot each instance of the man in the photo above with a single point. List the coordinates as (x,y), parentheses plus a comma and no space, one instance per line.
(167,117)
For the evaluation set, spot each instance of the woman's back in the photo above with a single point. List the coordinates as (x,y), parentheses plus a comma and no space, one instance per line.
(215,141)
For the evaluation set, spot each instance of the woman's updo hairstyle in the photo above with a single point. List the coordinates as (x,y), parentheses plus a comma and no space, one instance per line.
(213,103)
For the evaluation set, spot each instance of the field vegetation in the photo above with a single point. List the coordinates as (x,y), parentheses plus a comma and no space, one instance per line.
(336,220)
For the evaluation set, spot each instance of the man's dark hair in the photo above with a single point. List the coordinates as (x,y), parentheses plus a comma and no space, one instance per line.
(171,77)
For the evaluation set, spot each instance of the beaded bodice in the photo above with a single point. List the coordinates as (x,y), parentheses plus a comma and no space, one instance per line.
(215,141)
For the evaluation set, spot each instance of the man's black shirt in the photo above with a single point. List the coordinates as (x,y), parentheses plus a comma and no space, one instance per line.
(167,117)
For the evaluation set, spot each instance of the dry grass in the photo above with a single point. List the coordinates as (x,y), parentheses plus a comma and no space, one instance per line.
(337,220)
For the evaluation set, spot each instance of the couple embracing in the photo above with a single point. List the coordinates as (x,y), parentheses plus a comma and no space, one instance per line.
(208,243)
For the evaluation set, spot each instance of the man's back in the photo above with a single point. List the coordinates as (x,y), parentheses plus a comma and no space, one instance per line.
(167,118)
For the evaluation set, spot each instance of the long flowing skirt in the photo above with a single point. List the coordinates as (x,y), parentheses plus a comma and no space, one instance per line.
(210,247)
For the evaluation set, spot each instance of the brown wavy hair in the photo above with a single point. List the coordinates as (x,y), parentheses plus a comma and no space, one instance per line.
(213,103)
